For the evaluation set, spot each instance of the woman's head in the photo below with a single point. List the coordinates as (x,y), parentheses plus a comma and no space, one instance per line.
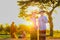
(33,13)
(42,12)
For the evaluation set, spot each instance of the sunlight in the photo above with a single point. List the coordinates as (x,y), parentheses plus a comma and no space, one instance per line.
(29,23)
(31,9)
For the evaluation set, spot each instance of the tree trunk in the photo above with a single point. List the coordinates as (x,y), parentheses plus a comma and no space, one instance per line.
(51,24)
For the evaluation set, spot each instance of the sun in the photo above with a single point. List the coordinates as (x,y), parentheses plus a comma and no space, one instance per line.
(29,23)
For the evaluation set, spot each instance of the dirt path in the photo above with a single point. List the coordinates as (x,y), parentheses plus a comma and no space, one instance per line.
(52,38)
(29,39)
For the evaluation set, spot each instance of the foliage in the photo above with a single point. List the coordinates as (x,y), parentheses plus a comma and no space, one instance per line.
(44,4)
(23,27)
(1,27)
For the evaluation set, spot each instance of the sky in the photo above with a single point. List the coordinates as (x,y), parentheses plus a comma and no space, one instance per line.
(56,19)
(9,12)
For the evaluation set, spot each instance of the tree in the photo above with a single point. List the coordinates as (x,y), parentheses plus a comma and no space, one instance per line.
(7,28)
(1,28)
(44,4)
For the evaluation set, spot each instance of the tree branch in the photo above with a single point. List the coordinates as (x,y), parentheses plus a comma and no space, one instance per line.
(58,4)
(53,9)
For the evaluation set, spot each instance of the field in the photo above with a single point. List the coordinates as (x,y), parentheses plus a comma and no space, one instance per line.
(56,36)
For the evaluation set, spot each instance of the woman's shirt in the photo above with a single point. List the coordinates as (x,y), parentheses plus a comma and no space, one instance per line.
(42,22)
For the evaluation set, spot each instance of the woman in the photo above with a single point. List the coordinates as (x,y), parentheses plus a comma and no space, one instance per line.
(42,25)
(33,29)
(13,31)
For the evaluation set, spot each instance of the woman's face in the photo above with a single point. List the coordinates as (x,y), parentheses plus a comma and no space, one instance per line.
(34,13)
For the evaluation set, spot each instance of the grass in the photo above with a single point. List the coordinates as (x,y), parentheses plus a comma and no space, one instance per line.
(4,36)
(56,35)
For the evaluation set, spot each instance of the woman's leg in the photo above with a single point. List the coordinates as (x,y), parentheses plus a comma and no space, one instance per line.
(42,35)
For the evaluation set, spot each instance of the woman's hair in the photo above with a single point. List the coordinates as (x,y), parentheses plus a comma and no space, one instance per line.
(42,11)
